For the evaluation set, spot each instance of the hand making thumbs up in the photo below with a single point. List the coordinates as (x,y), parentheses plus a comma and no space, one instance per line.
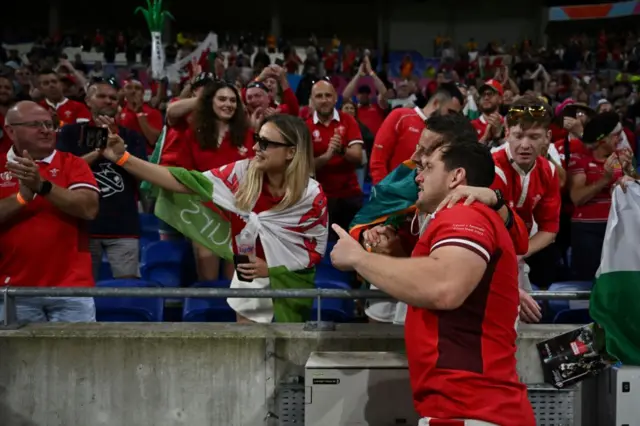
(347,251)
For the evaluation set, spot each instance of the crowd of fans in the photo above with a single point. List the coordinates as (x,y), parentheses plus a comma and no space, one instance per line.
(359,136)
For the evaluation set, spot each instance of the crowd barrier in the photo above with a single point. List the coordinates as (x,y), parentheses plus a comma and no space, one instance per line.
(10,293)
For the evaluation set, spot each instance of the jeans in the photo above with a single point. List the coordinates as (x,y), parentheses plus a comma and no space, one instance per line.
(586,249)
(53,309)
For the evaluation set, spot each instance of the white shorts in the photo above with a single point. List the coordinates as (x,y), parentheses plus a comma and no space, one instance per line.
(387,311)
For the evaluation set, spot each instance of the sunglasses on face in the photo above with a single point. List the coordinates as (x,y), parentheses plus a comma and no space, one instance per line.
(264,143)
(537,112)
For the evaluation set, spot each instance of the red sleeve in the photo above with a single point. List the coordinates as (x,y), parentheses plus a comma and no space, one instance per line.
(80,175)
(176,150)
(352,131)
(291,102)
(82,112)
(154,118)
(476,124)
(547,212)
(519,235)
(462,226)
(577,164)
(383,146)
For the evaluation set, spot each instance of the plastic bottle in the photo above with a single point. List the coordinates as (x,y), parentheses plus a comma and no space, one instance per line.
(246,240)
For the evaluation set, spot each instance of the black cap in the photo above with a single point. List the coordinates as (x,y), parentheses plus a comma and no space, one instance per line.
(600,126)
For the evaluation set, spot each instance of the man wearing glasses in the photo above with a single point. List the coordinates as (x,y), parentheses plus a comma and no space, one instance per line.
(45,197)
(529,183)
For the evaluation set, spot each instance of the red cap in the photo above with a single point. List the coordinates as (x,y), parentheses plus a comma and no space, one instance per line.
(494,85)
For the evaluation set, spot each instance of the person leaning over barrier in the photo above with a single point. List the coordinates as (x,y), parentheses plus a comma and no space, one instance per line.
(277,213)
(461,285)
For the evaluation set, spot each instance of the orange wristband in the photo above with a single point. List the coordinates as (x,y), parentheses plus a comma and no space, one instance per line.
(21,199)
(123,159)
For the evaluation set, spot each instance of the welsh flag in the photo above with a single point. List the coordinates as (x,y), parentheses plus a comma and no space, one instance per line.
(391,200)
(293,240)
(615,295)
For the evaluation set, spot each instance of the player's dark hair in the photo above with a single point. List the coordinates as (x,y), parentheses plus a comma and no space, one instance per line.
(471,156)
(446,91)
(452,127)
(46,71)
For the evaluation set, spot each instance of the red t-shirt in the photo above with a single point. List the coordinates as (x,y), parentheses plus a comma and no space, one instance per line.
(371,116)
(576,149)
(462,363)
(337,177)
(129,119)
(305,113)
(480,124)
(534,195)
(182,149)
(68,111)
(289,104)
(395,141)
(41,246)
(5,141)
(597,208)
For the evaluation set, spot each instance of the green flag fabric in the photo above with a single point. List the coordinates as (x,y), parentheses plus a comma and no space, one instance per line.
(145,187)
(290,238)
(615,295)
(391,200)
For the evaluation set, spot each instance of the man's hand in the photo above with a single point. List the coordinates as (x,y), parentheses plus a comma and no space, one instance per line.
(383,239)
(623,182)
(115,148)
(27,172)
(269,112)
(335,144)
(610,164)
(106,121)
(495,121)
(470,194)
(346,252)
(530,311)
(256,118)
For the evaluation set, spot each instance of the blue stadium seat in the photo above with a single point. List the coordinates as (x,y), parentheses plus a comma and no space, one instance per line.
(105,271)
(208,309)
(128,309)
(148,222)
(560,305)
(573,316)
(336,310)
(162,262)
(325,271)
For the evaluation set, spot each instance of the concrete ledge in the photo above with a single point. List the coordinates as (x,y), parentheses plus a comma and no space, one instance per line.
(163,374)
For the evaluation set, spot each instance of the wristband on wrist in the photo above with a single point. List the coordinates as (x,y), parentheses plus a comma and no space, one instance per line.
(125,157)
(21,199)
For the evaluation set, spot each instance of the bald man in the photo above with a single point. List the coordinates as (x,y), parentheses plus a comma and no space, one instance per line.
(337,148)
(45,198)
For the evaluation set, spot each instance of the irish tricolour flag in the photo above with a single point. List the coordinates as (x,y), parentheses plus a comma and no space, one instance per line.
(615,298)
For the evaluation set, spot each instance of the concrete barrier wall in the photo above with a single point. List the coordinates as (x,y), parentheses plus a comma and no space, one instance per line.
(178,374)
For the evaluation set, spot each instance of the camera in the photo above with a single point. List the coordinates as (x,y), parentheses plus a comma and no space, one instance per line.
(93,137)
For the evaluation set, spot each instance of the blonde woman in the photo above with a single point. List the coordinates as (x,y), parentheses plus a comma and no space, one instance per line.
(268,213)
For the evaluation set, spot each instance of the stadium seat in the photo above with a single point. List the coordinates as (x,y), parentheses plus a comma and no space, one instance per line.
(573,316)
(325,271)
(336,310)
(208,309)
(162,262)
(105,271)
(558,305)
(128,309)
(148,229)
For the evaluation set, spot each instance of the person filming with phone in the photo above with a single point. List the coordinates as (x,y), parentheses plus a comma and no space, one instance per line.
(45,197)
(274,215)
(116,230)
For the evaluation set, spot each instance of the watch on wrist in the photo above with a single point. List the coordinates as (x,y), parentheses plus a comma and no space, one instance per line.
(45,188)
(499,200)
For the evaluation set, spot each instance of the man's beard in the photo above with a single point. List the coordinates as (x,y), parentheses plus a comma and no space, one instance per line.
(490,110)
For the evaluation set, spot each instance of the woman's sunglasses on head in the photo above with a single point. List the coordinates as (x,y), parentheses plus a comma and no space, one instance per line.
(264,143)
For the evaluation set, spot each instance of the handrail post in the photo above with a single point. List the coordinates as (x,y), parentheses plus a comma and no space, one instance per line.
(319,325)
(9,319)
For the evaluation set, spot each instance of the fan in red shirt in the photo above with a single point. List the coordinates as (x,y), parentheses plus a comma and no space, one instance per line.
(529,183)
(64,110)
(399,134)
(274,79)
(460,330)
(43,241)
(215,135)
(138,116)
(593,175)
(490,124)
(368,113)
(7,96)
(337,148)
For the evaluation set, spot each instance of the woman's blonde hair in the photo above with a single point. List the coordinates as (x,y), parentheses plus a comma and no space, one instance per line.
(298,171)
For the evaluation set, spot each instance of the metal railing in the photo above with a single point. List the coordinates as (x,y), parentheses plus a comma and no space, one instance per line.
(9,294)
